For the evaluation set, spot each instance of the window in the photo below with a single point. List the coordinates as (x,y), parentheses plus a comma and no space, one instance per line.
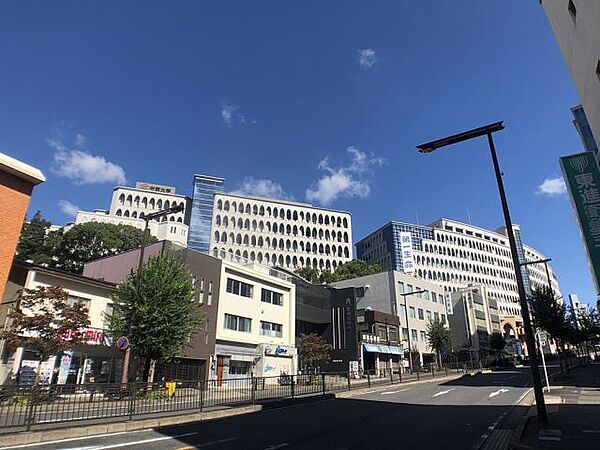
(404,334)
(436,316)
(393,334)
(572,10)
(401,287)
(74,300)
(444,319)
(239,367)
(107,313)
(268,296)
(423,336)
(428,314)
(421,315)
(413,334)
(239,288)
(402,311)
(409,288)
(411,310)
(434,297)
(598,70)
(270,329)
(237,323)
(382,332)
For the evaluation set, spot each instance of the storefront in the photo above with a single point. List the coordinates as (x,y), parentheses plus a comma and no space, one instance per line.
(379,359)
(233,361)
(276,361)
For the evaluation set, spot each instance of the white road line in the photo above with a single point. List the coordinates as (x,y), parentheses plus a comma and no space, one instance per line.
(127,444)
(81,438)
(394,392)
(442,392)
(498,392)
(524,394)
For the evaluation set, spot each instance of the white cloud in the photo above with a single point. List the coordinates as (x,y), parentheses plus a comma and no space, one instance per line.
(83,167)
(366,58)
(231,115)
(68,208)
(80,140)
(352,180)
(552,187)
(262,188)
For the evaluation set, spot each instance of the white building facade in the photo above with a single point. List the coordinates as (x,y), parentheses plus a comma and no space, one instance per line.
(453,255)
(255,331)
(280,233)
(130,205)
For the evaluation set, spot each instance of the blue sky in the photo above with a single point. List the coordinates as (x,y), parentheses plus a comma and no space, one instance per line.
(313,100)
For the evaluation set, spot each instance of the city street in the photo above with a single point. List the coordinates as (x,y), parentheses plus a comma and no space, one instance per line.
(453,414)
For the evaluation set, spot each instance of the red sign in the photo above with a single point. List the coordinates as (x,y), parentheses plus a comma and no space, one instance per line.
(89,336)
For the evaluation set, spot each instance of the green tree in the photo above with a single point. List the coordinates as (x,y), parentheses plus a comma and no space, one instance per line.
(354,269)
(161,319)
(33,243)
(44,322)
(438,337)
(313,351)
(549,315)
(309,274)
(93,240)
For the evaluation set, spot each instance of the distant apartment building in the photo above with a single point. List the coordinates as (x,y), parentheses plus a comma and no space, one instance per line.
(129,206)
(399,294)
(475,317)
(17,181)
(454,255)
(280,233)
(248,311)
(204,189)
(575,27)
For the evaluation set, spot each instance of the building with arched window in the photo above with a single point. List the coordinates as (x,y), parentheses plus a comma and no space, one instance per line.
(455,255)
(279,232)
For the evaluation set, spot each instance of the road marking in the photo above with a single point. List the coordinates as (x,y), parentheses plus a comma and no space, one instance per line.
(275,447)
(126,444)
(95,436)
(591,431)
(443,392)
(394,392)
(498,392)
(523,395)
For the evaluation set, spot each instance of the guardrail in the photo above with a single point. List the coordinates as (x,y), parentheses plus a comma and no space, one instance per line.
(28,407)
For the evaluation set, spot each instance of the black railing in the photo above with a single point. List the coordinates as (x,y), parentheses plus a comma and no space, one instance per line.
(27,407)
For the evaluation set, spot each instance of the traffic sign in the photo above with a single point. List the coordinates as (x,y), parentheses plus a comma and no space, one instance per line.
(123,343)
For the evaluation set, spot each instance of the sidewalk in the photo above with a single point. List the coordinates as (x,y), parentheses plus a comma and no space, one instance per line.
(573,406)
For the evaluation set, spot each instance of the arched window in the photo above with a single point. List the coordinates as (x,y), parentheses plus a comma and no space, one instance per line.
(345,236)
(345,223)
(218,220)
(246,240)
(134,214)
(255,210)
(248,208)
(224,238)
(126,213)
(119,212)
(275,213)
(159,204)
(240,223)
(253,241)
(238,239)
(241,208)
(225,221)
(216,236)
(346,252)
(260,241)
(121,199)
(167,204)
(219,205)
(151,204)
(226,206)
(247,224)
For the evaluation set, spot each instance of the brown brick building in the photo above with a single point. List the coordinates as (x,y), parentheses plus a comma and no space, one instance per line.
(17,180)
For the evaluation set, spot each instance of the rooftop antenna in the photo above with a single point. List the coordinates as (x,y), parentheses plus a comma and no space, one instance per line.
(469,214)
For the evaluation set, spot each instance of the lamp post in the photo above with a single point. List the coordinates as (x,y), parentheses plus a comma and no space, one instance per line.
(138,281)
(406,294)
(488,130)
(545,263)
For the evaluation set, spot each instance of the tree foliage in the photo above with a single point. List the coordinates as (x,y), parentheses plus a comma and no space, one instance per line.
(93,240)
(44,322)
(313,351)
(36,243)
(346,271)
(162,318)
(549,314)
(438,336)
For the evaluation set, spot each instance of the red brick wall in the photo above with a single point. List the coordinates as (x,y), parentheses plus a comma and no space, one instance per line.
(14,200)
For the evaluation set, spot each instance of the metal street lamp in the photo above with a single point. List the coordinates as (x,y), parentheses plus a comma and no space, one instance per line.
(138,280)
(406,294)
(545,263)
(487,130)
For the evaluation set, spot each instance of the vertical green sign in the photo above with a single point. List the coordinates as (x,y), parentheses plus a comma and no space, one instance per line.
(582,178)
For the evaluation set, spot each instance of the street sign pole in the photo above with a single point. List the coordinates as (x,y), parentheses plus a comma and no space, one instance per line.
(539,336)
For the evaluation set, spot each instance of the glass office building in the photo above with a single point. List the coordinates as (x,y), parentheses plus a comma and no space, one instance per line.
(205,187)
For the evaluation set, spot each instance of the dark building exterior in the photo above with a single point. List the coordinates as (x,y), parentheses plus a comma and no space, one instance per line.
(379,341)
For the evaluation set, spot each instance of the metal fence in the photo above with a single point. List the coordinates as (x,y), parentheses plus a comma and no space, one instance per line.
(25,407)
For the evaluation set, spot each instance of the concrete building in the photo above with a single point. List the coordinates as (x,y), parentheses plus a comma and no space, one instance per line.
(280,233)
(384,292)
(205,187)
(248,312)
(473,320)
(575,27)
(453,255)
(17,181)
(582,125)
(129,206)
(94,360)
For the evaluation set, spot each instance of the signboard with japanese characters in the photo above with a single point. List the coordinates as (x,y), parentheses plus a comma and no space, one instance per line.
(408,261)
(582,178)
(160,188)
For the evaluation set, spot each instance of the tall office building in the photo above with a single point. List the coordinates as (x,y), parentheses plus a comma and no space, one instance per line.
(575,27)
(455,255)
(205,188)
(280,233)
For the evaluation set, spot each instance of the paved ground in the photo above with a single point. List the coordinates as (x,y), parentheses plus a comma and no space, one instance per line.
(573,413)
(453,414)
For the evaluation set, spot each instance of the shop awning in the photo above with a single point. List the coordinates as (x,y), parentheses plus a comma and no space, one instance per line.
(389,349)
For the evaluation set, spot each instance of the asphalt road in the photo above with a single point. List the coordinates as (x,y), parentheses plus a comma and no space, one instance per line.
(453,414)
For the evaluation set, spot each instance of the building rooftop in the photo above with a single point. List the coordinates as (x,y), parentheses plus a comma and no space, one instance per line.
(283,202)
(21,170)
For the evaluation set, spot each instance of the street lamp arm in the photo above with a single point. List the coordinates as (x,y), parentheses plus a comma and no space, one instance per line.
(460,137)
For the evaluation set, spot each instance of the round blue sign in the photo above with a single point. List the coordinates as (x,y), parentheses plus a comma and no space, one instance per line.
(123,343)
